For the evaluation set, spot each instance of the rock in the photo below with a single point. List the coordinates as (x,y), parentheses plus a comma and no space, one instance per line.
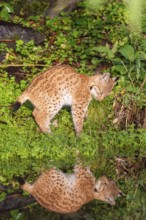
(57,6)
(10,31)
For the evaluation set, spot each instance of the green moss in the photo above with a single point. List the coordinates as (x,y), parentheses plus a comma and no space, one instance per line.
(32,8)
(86,40)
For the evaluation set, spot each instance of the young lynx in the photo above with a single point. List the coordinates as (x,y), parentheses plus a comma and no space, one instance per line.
(59,86)
(66,193)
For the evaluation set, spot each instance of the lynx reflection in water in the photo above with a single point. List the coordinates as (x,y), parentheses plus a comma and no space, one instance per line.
(67,193)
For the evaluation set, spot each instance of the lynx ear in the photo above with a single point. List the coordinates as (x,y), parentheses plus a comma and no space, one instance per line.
(105,76)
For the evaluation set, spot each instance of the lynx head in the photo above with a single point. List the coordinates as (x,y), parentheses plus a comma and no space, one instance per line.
(106,190)
(102,86)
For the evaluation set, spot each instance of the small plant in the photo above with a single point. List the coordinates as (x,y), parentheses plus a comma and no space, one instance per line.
(6,11)
(90,41)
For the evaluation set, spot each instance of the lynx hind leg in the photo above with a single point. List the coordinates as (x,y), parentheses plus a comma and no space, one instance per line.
(43,120)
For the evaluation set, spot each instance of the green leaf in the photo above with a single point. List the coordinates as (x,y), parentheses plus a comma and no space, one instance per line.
(75,33)
(110,54)
(4,14)
(9,8)
(128,52)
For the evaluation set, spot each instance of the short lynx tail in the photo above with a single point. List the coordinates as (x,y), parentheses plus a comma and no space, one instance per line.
(15,106)
(20,180)
(21,99)
(25,186)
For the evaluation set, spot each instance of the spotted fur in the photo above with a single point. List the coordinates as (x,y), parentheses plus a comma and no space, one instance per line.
(62,86)
(67,193)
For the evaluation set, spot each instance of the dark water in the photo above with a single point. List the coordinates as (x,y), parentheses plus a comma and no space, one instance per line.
(129,207)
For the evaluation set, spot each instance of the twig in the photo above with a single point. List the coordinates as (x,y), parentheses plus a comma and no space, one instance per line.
(127,73)
(17,65)
(142,85)
(7,40)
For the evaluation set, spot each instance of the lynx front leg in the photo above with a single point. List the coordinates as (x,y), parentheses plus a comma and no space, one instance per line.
(42,119)
(78,115)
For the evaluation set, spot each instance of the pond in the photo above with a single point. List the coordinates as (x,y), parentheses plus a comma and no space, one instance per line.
(131,179)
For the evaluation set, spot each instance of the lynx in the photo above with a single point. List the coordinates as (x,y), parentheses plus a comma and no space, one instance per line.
(62,86)
(67,193)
